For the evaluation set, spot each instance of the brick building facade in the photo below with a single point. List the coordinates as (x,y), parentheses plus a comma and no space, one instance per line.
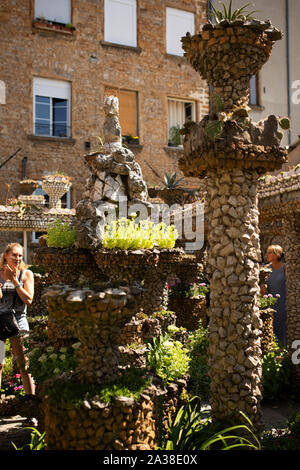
(55,80)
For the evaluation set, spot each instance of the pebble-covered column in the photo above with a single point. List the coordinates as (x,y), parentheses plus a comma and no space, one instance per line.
(235,323)
(232,152)
(291,224)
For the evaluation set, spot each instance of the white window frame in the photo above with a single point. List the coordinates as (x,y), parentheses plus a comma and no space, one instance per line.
(58,11)
(187,18)
(179,121)
(52,89)
(109,14)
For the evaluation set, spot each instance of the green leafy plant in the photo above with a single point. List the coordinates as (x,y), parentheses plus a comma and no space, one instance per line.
(47,362)
(229,14)
(60,235)
(37,441)
(197,344)
(285,123)
(125,234)
(276,372)
(131,383)
(189,431)
(168,358)
(267,300)
(171,181)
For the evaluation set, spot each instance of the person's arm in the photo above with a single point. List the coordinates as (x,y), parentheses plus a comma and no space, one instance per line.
(26,292)
(1,293)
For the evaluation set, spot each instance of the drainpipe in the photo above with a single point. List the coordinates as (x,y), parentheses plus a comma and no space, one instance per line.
(24,162)
(209,18)
(288,63)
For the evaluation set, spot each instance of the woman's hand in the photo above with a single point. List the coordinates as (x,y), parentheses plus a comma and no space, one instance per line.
(1,293)
(11,274)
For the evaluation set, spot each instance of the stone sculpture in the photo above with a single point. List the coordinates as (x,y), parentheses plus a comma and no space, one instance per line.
(115,177)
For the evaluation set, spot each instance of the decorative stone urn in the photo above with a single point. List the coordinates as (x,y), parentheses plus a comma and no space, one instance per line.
(232,159)
(28,186)
(56,186)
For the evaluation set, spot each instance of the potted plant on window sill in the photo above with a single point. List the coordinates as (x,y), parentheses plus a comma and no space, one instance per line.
(130,139)
(42,23)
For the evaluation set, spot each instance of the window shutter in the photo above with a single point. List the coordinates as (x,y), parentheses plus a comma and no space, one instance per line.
(52,88)
(179,22)
(127,109)
(54,10)
(120,22)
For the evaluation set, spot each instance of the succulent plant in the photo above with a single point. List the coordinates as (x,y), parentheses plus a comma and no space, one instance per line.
(285,123)
(229,14)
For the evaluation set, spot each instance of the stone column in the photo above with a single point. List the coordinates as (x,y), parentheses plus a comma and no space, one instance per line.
(232,152)
(291,225)
(233,257)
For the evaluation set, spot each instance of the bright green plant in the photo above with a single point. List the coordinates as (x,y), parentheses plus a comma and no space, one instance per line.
(276,372)
(168,358)
(37,441)
(127,235)
(189,431)
(229,14)
(60,235)
(44,363)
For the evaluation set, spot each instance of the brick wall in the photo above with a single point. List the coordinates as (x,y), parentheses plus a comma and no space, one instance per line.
(82,59)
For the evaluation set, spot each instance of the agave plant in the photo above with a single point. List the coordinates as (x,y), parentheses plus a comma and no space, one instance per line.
(229,14)
(170,180)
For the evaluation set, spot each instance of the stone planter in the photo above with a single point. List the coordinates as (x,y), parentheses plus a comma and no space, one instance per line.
(28,186)
(229,56)
(67,265)
(96,319)
(171,195)
(56,187)
(148,268)
(32,200)
(189,311)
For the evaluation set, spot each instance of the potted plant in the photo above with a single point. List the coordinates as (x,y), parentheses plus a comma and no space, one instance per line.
(172,193)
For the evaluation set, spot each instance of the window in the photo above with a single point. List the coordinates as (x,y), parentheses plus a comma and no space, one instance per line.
(65,204)
(51,107)
(254,91)
(179,111)
(55,10)
(120,22)
(128,111)
(179,22)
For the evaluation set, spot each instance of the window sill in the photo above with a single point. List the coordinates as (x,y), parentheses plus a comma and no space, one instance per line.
(173,150)
(256,107)
(121,46)
(133,147)
(181,58)
(44,138)
(37,26)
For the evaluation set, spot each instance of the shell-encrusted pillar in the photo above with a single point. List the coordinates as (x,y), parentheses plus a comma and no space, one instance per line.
(96,319)
(232,152)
